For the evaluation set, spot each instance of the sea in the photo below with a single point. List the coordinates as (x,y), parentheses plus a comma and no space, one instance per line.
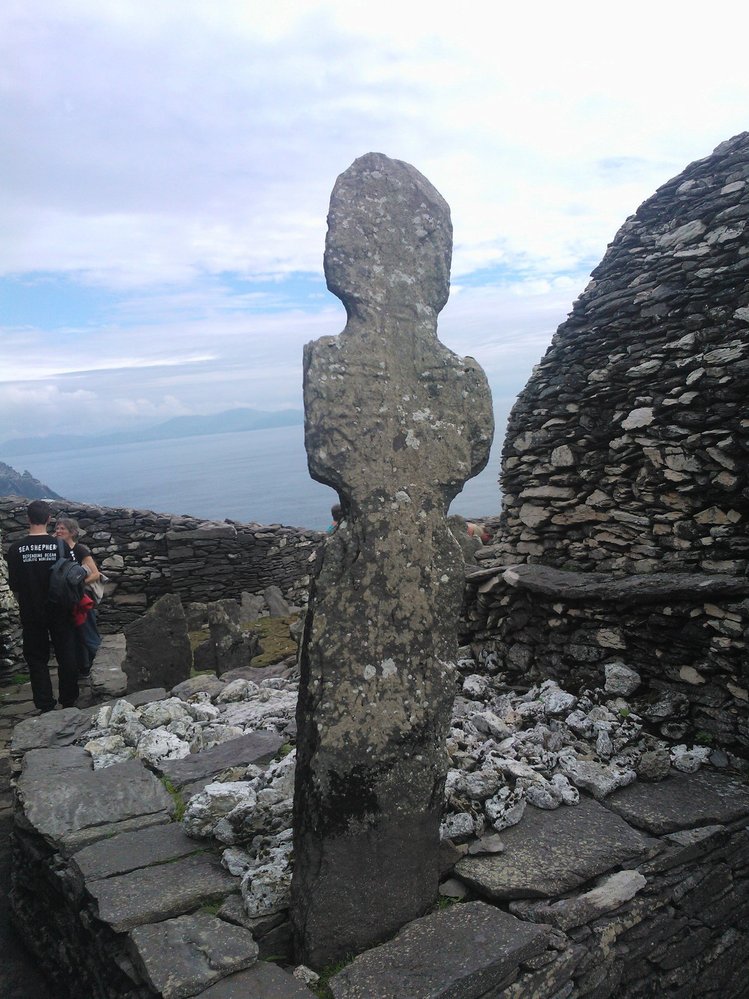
(256,476)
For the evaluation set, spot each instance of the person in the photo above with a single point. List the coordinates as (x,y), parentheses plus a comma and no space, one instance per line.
(336,512)
(29,564)
(87,637)
(479,531)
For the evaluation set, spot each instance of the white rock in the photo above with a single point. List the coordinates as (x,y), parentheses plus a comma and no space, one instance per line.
(621,679)
(490,843)
(614,890)
(187,730)
(689,761)
(555,700)
(475,686)
(505,809)
(541,793)
(567,792)
(453,888)
(131,731)
(123,712)
(159,714)
(579,722)
(213,735)
(265,705)
(604,747)
(237,690)
(159,744)
(103,716)
(514,768)
(213,803)
(107,750)
(267,889)
(476,785)
(236,861)
(203,711)
(597,778)
(304,974)
(490,724)
(458,826)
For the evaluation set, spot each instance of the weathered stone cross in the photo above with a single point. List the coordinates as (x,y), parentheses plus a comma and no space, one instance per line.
(396,423)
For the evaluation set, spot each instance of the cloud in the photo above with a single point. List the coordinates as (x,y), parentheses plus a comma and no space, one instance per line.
(169,165)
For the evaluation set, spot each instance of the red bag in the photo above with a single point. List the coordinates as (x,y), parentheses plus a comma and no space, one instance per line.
(81,609)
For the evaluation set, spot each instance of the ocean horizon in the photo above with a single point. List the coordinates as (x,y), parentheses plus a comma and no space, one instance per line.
(249,476)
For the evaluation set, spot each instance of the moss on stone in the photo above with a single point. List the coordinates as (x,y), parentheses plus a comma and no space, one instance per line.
(179,802)
(276,642)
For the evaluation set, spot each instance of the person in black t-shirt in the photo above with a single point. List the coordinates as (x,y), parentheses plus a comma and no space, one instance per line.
(29,565)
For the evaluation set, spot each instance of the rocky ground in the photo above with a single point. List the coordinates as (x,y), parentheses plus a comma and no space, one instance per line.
(19,973)
(225,749)
(507,749)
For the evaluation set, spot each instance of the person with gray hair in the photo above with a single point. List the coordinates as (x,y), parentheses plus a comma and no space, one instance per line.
(87,637)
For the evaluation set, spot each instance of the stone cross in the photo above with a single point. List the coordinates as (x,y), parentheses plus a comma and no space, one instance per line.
(396,423)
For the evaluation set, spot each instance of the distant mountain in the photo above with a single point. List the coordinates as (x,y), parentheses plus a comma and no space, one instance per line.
(12,483)
(228,422)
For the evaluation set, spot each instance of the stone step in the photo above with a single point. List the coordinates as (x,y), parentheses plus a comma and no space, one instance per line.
(462,951)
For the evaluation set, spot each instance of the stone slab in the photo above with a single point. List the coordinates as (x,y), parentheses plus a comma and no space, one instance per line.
(255,747)
(75,841)
(53,728)
(262,981)
(682,801)
(140,697)
(552,852)
(181,956)
(567,913)
(256,673)
(459,953)
(133,850)
(49,762)
(207,682)
(161,892)
(107,677)
(562,584)
(90,799)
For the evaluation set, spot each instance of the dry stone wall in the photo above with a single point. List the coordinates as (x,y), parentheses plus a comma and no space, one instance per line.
(146,555)
(626,458)
(9,626)
(627,448)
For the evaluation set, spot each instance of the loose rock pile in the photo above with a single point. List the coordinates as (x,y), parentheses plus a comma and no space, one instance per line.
(507,749)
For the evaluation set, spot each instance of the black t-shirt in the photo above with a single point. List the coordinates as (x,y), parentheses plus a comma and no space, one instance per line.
(80,551)
(29,564)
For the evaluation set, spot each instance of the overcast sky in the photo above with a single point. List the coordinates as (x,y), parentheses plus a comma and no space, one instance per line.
(167,166)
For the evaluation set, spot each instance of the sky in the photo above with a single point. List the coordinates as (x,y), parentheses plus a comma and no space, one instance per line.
(167,167)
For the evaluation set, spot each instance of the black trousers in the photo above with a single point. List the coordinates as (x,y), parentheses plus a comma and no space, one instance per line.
(57,632)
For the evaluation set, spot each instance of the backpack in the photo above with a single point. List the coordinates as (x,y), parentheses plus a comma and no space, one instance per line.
(65,580)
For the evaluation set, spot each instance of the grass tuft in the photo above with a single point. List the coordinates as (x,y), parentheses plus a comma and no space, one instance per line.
(322,988)
(179,802)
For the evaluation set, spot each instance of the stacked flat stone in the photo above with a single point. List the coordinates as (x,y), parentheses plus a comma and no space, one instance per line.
(146,555)
(109,893)
(624,471)
(627,448)
(9,626)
